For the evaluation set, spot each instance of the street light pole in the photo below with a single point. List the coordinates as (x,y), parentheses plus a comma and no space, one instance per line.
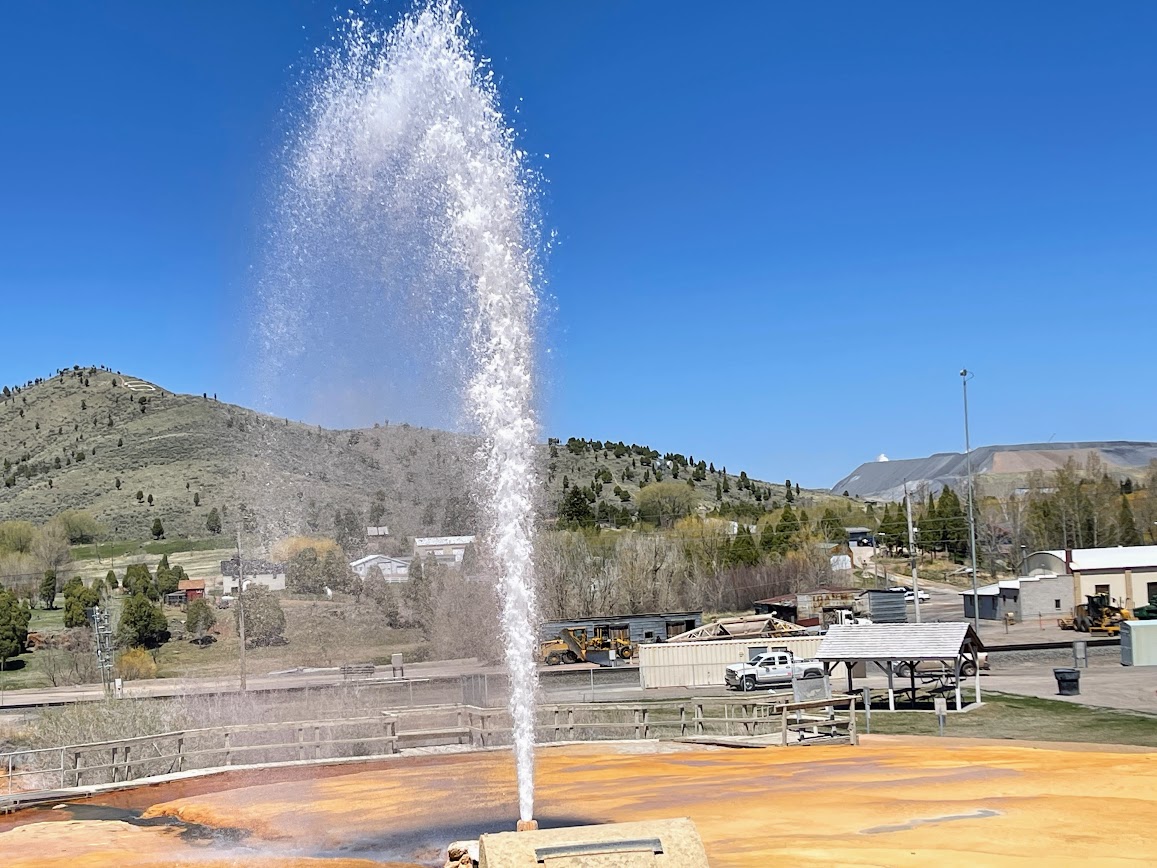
(912,552)
(965,376)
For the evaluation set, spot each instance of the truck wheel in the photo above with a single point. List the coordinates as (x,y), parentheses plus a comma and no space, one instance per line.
(812,673)
(968,668)
(553,659)
(749,682)
(625,653)
(904,670)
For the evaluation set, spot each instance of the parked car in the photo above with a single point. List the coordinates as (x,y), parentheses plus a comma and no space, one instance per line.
(940,667)
(866,541)
(909,596)
(770,669)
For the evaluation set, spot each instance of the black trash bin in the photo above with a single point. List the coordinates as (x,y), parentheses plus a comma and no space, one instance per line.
(1068,681)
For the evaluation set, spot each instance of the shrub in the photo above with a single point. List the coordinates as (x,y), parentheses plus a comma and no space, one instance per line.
(264,619)
(142,623)
(135,664)
(199,619)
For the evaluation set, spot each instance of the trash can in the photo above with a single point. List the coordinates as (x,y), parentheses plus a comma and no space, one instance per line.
(1068,681)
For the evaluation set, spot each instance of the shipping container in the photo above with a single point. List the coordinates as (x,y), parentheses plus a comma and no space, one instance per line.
(885,607)
(1139,643)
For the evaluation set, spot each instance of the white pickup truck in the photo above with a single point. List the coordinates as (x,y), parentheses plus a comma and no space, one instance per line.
(771,668)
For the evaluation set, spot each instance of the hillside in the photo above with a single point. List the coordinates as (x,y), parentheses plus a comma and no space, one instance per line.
(92,439)
(998,470)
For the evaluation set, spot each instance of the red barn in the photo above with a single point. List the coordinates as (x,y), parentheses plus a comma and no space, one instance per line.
(193,589)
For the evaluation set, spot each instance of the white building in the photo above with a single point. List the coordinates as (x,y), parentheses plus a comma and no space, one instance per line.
(1127,574)
(393,569)
(448,550)
(274,581)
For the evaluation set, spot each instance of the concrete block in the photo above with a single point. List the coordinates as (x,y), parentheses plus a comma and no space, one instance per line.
(651,844)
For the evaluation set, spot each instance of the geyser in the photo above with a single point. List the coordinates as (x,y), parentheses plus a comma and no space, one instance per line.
(404,181)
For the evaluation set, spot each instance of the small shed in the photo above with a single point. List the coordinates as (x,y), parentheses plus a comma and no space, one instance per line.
(892,646)
(194,589)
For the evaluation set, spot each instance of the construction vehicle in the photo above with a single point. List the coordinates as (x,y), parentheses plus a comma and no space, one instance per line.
(1098,615)
(572,646)
(1144,613)
(842,617)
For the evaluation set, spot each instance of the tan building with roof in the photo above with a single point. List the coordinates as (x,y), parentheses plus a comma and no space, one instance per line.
(1127,574)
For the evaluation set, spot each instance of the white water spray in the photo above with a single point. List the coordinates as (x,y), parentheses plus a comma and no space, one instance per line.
(405,155)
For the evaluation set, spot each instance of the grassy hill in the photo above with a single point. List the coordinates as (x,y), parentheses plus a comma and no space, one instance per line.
(89,438)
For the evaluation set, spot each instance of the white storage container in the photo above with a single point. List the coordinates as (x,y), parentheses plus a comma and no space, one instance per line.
(1139,643)
(701,664)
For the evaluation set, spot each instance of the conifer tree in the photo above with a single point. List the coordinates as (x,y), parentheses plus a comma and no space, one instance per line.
(1127,534)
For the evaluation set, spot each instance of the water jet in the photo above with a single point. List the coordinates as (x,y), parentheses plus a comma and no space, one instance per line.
(405,178)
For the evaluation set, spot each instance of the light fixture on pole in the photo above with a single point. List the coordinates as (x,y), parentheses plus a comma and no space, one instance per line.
(965,376)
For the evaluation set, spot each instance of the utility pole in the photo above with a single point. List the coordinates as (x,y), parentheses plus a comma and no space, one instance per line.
(912,552)
(102,634)
(965,376)
(241,607)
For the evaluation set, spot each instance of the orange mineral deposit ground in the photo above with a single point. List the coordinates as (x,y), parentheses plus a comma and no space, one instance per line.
(890,801)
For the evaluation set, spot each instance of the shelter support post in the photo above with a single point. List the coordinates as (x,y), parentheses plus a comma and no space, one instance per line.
(956,666)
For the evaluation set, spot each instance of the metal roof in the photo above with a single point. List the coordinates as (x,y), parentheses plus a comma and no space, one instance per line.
(934,641)
(443,540)
(986,590)
(1115,558)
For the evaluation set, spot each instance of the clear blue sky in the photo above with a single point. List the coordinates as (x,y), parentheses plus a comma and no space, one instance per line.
(783,228)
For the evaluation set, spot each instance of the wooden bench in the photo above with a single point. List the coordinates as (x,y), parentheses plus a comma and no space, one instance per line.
(357,670)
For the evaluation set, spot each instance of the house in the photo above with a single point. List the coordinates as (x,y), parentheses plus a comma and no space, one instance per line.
(260,572)
(1025,598)
(447,550)
(1127,574)
(393,569)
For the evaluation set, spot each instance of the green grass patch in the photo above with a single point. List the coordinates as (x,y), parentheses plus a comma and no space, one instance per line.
(47,620)
(1025,718)
(120,548)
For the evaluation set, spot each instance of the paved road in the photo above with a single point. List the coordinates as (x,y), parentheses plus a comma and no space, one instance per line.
(428,681)
(1105,683)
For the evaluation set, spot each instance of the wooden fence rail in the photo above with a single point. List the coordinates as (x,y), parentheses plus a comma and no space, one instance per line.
(126,759)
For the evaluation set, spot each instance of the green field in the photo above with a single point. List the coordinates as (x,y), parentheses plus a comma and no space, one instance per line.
(319,633)
(123,548)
